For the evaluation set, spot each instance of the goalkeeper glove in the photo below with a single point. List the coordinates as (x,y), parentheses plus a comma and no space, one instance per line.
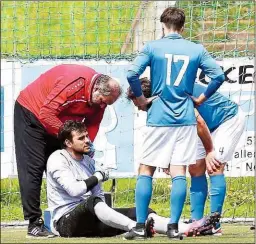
(102,175)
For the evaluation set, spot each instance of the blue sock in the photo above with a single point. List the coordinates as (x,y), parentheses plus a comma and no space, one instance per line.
(143,195)
(198,194)
(217,192)
(177,198)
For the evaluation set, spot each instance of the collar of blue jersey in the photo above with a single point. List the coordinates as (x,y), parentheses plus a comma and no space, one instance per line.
(173,36)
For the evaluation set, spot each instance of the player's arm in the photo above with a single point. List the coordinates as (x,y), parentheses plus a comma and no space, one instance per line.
(203,132)
(137,68)
(210,68)
(93,124)
(57,168)
(97,190)
(51,109)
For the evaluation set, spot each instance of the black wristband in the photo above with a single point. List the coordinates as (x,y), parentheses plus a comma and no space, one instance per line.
(91,182)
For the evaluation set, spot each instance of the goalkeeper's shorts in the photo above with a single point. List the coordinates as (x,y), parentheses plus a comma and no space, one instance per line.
(82,221)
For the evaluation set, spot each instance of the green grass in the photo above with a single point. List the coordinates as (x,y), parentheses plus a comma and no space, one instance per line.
(239,201)
(232,234)
(65,28)
(216,21)
(83,29)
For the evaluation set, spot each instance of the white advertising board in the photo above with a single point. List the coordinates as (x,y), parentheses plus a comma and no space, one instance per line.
(118,143)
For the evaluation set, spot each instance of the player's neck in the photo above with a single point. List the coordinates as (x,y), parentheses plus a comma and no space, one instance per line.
(171,32)
(75,155)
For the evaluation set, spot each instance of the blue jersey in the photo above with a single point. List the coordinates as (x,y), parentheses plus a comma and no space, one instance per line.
(215,110)
(173,63)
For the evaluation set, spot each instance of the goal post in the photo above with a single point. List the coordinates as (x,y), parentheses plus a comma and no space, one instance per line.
(107,35)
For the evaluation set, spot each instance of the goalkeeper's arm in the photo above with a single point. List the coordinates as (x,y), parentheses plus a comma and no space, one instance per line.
(62,174)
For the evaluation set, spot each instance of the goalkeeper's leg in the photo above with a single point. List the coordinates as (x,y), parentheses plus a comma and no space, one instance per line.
(124,217)
(93,217)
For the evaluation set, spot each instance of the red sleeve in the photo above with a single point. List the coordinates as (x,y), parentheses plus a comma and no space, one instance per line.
(53,105)
(94,124)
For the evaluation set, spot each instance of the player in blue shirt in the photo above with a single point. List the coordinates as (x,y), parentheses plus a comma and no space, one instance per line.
(226,123)
(173,63)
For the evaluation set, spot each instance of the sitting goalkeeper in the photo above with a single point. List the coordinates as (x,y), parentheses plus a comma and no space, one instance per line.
(77,200)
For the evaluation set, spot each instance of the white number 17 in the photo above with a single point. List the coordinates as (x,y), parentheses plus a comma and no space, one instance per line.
(175,58)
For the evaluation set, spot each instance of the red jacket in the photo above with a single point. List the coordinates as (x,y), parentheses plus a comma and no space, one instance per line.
(62,93)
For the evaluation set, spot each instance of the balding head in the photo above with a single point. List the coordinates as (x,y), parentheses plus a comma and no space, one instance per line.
(106,91)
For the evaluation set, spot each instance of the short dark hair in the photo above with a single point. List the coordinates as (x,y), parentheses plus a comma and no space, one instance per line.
(173,18)
(145,86)
(65,131)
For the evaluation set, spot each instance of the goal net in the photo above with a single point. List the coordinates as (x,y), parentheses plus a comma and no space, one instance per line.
(106,35)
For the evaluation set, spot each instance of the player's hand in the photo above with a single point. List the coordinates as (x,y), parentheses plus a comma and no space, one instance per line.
(102,175)
(145,103)
(212,164)
(198,100)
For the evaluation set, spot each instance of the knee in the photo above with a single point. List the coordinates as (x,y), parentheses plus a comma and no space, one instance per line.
(219,171)
(146,170)
(196,170)
(177,170)
(91,203)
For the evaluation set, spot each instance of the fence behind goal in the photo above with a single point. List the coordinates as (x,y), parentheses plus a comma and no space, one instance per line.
(38,35)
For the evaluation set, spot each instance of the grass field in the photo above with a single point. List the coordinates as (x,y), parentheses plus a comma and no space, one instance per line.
(65,28)
(239,201)
(232,234)
(84,29)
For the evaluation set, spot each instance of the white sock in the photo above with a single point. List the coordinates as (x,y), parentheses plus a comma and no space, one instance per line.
(112,218)
(183,227)
(161,223)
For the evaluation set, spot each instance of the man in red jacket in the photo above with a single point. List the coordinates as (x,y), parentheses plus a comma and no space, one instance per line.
(65,92)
